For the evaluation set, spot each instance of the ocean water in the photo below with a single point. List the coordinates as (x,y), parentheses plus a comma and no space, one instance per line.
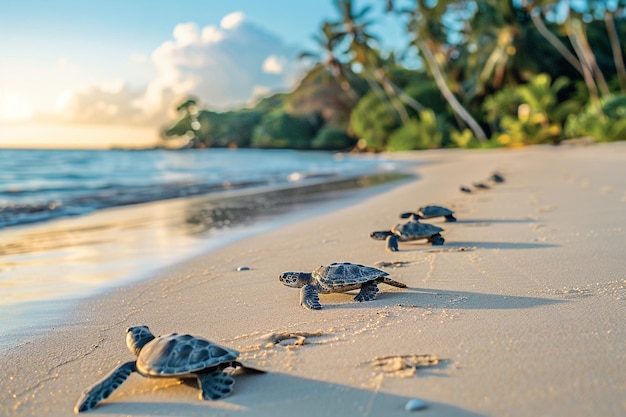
(76,223)
(40,185)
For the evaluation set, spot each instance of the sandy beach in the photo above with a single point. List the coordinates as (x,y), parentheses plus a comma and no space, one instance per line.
(524,306)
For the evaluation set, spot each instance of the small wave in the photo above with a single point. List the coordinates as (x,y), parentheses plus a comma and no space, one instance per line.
(13,214)
(39,185)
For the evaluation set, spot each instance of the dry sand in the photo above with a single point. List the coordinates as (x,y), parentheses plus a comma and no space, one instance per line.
(525,306)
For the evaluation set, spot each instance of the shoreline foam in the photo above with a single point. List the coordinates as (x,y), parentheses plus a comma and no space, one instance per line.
(524,307)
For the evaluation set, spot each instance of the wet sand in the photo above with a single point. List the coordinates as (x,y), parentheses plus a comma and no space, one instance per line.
(46,267)
(524,306)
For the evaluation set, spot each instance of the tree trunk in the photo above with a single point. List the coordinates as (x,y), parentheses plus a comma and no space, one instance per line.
(591,85)
(617,49)
(410,101)
(393,97)
(340,73)
(535,16)
(457,107)
(375,87)
(581,38)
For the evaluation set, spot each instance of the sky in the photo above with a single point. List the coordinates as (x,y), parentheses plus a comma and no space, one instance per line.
(120,66)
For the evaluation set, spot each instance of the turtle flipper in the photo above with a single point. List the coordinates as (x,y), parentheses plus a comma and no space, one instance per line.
(91,397)
(368,292)
(309,297)
(450,218)
(391,244)
(215,385)
(393,282)
(437,240)
(245,369)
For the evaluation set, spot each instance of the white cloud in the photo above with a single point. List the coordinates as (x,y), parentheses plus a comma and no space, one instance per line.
(186,34)
(221,65)
(225,66)
(258,92)
(14,107)
(109,102)
(274,64)
(211,34)
(232,20)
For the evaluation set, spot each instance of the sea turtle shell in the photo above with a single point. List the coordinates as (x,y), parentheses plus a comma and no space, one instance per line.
(178,355)
(433,211)
(342,275)
(415,230)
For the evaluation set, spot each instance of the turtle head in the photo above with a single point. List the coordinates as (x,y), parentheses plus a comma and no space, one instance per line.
(137,337)
(381,234)
(295,279)
(410,215)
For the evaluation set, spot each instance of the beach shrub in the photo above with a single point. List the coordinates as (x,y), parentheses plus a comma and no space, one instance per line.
(465,139)
(607,127)
(423,133)
(234,129)
(531,113)
(332,138)
(425,91)
(279,129)
(373,121)
(213,129)
(179,128)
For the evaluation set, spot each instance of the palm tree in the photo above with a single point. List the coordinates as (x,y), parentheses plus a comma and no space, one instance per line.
(328,41)
(599,9)
(381,69)
(572,22)
(594,79)
(497,48)
(616,48)
(577,32)
(534,10)
(428,37)
(354,28)
(188,109)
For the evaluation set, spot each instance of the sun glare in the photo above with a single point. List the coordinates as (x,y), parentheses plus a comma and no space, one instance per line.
(72,136)
(14,107)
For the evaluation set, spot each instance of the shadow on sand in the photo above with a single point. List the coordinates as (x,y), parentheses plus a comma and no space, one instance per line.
(414,297)
(277,394)
(463,246)
(435,298)
(499,245)
(487,222)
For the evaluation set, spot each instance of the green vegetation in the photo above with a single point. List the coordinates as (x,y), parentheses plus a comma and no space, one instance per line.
(491,73)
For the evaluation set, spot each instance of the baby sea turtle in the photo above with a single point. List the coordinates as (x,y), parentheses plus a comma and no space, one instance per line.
(497,178)
(428,212)
(337,277)
(412,230)
(481,186)
(171,356)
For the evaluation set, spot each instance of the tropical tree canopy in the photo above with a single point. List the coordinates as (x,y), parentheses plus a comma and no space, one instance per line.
(492,73)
